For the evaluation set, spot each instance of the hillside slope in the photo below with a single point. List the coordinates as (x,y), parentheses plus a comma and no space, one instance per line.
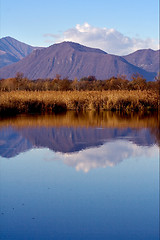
(146,59)
(12,51)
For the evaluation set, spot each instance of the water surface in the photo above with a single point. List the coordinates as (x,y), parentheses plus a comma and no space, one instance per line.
(79,176)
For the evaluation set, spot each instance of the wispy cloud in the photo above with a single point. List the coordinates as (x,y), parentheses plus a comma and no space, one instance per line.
(109,40)
(50,35)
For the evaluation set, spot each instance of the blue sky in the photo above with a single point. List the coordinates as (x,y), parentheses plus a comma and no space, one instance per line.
(40,23)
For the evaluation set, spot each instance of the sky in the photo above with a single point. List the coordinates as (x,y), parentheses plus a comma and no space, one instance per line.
(117,26)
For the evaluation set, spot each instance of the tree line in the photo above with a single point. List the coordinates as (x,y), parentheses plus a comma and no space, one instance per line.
(90,83)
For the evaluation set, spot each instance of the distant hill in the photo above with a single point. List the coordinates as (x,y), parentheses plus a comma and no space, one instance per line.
(72,60)
(12,51)
(146,59)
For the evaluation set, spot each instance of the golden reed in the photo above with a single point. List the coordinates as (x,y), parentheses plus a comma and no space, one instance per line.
(58,101)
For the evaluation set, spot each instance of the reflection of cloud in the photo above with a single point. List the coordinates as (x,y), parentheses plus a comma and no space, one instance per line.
(109,154)
(109,40)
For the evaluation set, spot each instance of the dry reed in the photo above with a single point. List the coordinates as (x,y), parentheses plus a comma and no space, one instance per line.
(57,101)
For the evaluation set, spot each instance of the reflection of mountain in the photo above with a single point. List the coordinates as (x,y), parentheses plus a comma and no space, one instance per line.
(66,139)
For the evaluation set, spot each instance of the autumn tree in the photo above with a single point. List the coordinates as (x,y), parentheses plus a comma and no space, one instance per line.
(138,81)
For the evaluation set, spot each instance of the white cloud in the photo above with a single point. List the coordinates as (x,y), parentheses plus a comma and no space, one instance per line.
(105,155)
(109,40)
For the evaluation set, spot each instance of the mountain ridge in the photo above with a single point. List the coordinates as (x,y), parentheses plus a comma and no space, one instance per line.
(12,50)
(71,60)
(147,59)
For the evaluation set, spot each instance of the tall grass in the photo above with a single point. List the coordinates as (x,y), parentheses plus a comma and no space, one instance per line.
(57,101)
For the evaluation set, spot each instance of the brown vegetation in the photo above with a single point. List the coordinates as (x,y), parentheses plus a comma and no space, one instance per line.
(57,101)
(20,95)
(87,83)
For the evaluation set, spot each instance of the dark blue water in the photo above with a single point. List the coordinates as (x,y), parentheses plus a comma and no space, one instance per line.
(105,186)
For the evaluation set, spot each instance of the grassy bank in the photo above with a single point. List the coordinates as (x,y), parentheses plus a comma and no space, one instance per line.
(57,101)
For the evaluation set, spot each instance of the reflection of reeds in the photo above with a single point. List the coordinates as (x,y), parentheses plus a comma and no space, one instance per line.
(87,119)
(104,119)
(52,101)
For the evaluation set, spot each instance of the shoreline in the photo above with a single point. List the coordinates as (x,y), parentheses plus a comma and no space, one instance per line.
(18,102)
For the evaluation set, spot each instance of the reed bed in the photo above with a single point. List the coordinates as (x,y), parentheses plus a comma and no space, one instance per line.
(15,102)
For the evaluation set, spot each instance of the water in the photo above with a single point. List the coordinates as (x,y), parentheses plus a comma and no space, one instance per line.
(88,176)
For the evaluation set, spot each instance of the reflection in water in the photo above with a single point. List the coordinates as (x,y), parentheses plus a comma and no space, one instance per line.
(88,119)
(109,154)
(43,197)
(71,132)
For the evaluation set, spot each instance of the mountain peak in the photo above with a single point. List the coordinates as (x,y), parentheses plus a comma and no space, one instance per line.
(147,59)
(12,50)
(11,40)
(77,47)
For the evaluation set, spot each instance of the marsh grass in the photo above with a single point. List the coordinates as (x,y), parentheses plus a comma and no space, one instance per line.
(15,102)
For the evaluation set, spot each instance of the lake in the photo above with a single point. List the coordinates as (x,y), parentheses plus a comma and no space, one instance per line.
(92,176)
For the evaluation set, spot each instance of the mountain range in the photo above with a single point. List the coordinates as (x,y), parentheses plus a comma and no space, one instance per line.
(71,60)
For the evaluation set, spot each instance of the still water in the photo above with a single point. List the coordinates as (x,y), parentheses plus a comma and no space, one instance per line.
(79,177)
